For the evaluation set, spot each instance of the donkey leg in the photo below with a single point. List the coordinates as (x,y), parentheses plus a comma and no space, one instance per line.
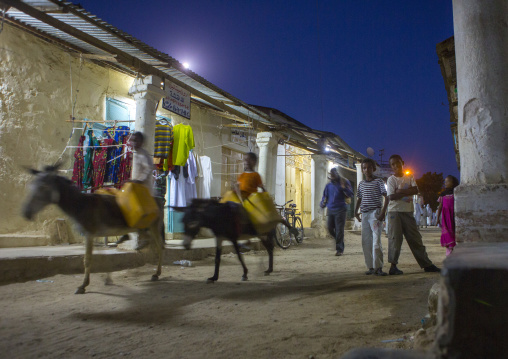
(160,251)
(268,244)
(240,257)
(87,262)
(218,252)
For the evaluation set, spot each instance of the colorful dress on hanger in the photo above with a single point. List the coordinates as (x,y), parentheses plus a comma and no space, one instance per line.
(88,166)
(163,139)
(124,173)
(99,164)
(79,165)
(183,142)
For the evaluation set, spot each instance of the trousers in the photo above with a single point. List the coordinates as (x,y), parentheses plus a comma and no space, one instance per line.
(371,240)
(404,224)
(336,223)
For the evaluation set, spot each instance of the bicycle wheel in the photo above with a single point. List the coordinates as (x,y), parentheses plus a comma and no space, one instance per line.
(282,236)
(299,228)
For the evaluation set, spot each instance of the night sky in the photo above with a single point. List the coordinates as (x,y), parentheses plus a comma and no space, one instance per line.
(381,85)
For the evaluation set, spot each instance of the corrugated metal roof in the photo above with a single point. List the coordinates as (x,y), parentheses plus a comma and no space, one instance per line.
(111,37)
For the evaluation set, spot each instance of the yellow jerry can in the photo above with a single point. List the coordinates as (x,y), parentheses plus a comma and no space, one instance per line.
(230,196)
(137,205)
(262,212)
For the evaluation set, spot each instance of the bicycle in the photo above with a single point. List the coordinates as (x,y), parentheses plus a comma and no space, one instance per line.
(283,235)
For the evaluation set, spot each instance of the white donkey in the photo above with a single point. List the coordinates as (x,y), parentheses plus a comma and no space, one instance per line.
(97,215)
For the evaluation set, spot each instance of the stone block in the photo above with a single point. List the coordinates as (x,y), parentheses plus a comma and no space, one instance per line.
(481,213)
(472,308)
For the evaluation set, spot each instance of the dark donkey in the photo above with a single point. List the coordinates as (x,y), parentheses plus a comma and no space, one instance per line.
(227,221)
(97,215)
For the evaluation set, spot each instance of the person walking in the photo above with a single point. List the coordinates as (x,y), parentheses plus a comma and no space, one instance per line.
(429,215)
(370,195)
(334,199)
(401,223)
(423,220)
(446,215)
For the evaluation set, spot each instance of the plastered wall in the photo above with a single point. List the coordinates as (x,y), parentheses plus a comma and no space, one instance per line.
(35,102)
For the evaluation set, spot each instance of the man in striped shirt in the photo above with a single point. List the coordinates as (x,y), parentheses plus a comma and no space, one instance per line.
(370,194)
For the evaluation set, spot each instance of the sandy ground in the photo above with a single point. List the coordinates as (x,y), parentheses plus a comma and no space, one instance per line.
(313,304)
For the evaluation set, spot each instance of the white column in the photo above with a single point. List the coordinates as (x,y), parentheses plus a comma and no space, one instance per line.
(266,141)
(481,51)
(319,179)
(147,92)
(280,175)
(359,178)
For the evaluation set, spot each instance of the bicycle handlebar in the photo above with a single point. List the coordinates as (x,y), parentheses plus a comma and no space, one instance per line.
(285,203)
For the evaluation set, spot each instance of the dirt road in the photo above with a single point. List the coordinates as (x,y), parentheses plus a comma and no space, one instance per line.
(313,304)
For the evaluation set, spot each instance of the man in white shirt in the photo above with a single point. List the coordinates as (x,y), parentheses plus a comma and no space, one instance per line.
(401,222)
(142,167)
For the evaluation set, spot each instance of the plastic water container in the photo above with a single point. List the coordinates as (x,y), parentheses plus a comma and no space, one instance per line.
(262,212)
(183,263)
(137,205)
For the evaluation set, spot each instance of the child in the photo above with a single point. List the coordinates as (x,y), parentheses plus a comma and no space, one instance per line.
(446,208)
(334,198)
(401,189)
(249,181)
(370,194)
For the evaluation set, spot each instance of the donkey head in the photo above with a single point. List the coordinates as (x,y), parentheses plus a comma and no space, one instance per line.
(43,190)
(195,216)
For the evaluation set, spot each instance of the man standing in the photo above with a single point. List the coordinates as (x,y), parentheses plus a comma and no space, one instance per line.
(334,198)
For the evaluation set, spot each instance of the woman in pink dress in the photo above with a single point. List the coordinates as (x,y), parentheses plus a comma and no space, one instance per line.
(445,214)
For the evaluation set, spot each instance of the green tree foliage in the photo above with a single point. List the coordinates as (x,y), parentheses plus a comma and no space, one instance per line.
(430,185)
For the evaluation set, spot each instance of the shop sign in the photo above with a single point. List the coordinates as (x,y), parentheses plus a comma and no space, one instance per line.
(177,100)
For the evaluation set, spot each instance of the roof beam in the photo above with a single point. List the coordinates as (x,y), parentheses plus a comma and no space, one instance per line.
(122,57)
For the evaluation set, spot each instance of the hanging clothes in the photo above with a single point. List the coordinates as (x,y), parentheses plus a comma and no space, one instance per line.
(190,180)
(183,142)
(79,164)
(88,166)
(205,182)
(163,139)
(177,197)
(99,164)
(125,170)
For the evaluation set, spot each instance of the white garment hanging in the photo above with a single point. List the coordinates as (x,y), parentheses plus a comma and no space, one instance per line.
(205,182)
(190,182)
(177,197)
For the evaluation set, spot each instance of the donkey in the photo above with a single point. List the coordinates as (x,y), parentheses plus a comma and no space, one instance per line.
(96,215)
(227,221)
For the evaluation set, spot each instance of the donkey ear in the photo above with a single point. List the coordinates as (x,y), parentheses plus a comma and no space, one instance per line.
(31,170)
(178,209)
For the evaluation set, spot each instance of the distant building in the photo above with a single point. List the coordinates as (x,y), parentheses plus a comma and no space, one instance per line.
(446,54)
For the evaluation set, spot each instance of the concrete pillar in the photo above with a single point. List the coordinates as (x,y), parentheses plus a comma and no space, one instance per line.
(280,176)
(266,142)
(147,92)
(481,50)
(319,178)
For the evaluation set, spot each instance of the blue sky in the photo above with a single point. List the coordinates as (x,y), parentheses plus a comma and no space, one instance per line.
(381,84)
